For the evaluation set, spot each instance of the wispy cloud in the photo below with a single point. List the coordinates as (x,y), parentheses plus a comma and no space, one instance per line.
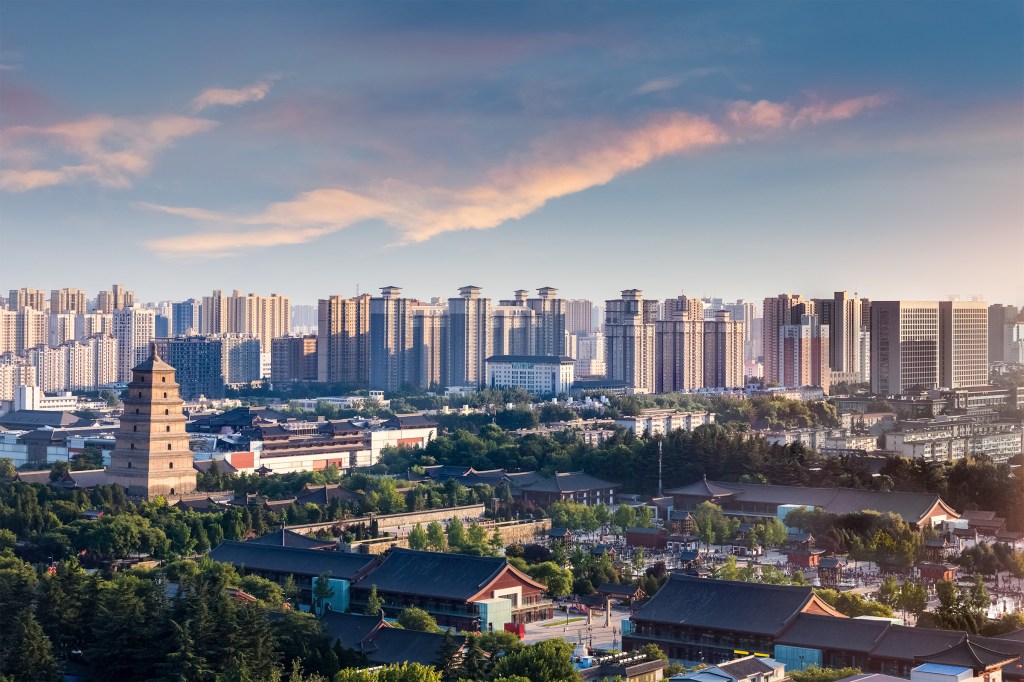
(767,115)
(231,97)
(513,190)
(111,151)
(657,85)
(108,150)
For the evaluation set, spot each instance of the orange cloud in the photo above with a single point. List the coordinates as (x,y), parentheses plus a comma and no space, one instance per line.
(231,97)
(766,115)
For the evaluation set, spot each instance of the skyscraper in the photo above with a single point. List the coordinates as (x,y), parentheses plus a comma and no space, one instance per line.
(904,346)
(198,363)
(67,301)
(579,316)
(803,354)
(963,344)
(514,329)
(679,346)
(430,344)
(151,456)
(1000,320)
(629,331)
(470,340)
(391,340)
(550,312)
(778,312)
(27,298)
(134,329)
(293,358)
(723,351)
(185,316)
(343,340)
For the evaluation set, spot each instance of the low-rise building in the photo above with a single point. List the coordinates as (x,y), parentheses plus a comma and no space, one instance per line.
(662,421)
(537,374)
(574,486)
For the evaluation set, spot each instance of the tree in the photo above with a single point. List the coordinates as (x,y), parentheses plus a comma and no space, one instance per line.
(412,618)
(436,538)
(400,672)
(418,538)
(889,592)
(182,663)
(913,598)
(457,538)
(374,604)
(290,589)
(322,591)
(28,654)
(815,674)
(7,469)
(59,470)
(546,661)
(557,579)
(623,518)
(638,561)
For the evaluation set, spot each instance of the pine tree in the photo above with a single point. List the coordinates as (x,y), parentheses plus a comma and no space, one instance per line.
(374,604)
(29,654)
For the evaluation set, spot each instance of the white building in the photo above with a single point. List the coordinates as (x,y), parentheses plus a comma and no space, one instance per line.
(33,398)
(134,329)
(589,354)
(661,421)
(537,374)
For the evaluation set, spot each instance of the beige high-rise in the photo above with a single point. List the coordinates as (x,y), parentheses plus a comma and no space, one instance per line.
(151,457)
(723,351)
(778,311)
(629,332)
(343,340)
(679,346)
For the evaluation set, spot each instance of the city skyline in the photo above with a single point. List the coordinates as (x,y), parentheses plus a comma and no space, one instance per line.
(309,149)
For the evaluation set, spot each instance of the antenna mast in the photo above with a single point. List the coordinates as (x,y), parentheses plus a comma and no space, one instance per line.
(661,493)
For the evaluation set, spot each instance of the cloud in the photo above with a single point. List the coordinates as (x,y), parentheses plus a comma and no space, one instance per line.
(768,115)
(9,67)
(513,190)
(229,97)
(108,150)
(657,85)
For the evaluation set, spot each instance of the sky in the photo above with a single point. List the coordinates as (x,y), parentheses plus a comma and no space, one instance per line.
(727,149)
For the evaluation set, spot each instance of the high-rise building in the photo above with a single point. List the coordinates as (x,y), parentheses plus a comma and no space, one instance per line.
(51,367)
(343,340)
(391,340)
(778,311)
(67,301)
(91,324)
(134,329)
(723,351)
(629,331)
(8,331)
(1015,342)
(30,329)
(293,358)
(185,317)
(430,345)
(963,344)
(470,342)
(266,317)
(151,456)
(61,328)
(241,358)
(843,316)
(304,319)
(590,355)
(198,363)
(803,354)
(115,299)
(550,315)
(27,298)
(514,329)
(904,346)
(1000,320)
(679,346)
(579,316)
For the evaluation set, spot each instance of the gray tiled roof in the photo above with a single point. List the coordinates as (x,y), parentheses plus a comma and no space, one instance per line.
(722,604)
(812,631)
(308,562)
(437,574)
(291,539)
(573,481)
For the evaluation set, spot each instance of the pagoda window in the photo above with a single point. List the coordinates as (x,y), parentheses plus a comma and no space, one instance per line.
(168,446)
(170,464)
(163,379)
(135,427)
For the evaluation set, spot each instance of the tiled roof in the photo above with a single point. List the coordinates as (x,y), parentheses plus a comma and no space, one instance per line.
(721,604)
(291,539)
(308,562)
(970,654)
(392,645)
(33,419)
(910,506)
(41,476)
(812,631)
(573,481)
(439,574)
(323,495)
(223,466)
(410,421)
(746,667)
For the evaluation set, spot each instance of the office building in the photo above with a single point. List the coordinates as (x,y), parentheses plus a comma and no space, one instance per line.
(541,375)
(630,331)
(151,457)
(27,298)
(1000,320)
(430,345)
(343,340)
(904,346)
(391,340)
(963,344)
(470,340)
(134,329)
(293,358)
(550,320)
(68,301)
(778,311)
(199,365)
(186,317)
(579,316)
(723,352)
(803,354)
(679,346)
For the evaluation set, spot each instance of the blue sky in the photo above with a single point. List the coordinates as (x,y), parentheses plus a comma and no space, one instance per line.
(729,149)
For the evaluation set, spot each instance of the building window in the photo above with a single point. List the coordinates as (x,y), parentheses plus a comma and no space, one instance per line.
(168,446)
(168,429)
(132,446)
(172,491)
(167,412)
(136,410)
(165,394)
(129,465)
(140,394)
(170,464)
(163,379)
(135,427)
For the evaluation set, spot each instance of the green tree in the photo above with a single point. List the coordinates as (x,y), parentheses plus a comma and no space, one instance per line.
(418,538)
(182,663)
(7,469)
(436,538)
(815,674)
(623,518)
(374,604)
(412,618)
(59,470)
(557,579)
(913,598)
(889,592)
(456,532)
(28,653)
(322,591)
(400,672)
(546,661)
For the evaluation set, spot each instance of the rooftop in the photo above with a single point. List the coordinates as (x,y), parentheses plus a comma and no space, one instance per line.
(306,562)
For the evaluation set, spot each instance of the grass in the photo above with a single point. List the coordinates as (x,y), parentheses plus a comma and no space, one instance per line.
(562,622)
